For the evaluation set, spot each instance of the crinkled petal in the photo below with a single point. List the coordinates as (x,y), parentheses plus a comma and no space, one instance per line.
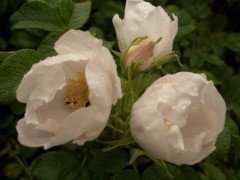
(77,41)
(192,149)
(40,71)
(109,65)
(54,110)
(209,117)
(148,130)
(29,135)
(130,4)
(192,114)
(143,19)
(84,125)
(206,150)
(99,84)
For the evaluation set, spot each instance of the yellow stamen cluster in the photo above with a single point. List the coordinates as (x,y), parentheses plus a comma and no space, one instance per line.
(168,124)
(76,92)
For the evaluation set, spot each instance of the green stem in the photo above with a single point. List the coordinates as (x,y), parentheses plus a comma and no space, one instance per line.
(24,166)
(84,160)
(21,160)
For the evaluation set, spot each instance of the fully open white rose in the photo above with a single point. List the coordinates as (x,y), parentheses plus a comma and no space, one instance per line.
(143,19)
(178,118)
(68,96)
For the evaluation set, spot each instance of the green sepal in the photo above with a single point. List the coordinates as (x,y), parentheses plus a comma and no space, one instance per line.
(126,140)
(170,57)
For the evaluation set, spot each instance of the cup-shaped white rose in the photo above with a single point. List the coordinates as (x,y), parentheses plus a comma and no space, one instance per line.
(143,19)
(178,118)
(69,96)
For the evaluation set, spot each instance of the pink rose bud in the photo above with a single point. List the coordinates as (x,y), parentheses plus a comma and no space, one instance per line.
(142,52)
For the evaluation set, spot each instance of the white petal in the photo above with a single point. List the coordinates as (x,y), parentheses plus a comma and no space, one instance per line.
(148,130)
(192,149)
(54,110)
(206,150)
(99,84)
(84,125)
(109,65)
(188,113)
(40,71)
(143,19)
(130,4)
(77,41)
(30,136)
(209,117)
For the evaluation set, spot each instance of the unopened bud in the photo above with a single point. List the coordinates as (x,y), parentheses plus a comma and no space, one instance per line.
(141,52)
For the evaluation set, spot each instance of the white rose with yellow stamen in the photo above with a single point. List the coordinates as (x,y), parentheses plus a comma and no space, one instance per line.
(69,96)
(179,118)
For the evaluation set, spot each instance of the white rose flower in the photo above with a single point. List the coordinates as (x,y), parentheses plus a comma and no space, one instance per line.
(143,19)
(178,118)
(69,96)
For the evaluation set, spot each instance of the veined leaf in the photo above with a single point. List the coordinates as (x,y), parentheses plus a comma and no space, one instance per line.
(108,162)
(126,174)
(74,14)
(12,70)
(55,166)
(47,45)
(37,14)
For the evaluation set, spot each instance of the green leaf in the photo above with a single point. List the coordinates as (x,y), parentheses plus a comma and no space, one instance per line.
(196,61)
(83,174)
(80,15)
(4,55)
(3,6)
(232,126)
(37,14)
(96,32)
(75,15)
(23,39)
(197,9)
(212,59)
(47,45)
(135,153)
(17,108)
(212,77)
(125,140)
(236,110)
(232,88)
(186,24)
(232,42)
(66,9)
(12,70)
(3,44)
(12,170)
(5,121)
(190,173)
(106,163)
(54,165)
(126,174)
(236,140)
(214,172)
(156,172)
(52,3)
(223,143)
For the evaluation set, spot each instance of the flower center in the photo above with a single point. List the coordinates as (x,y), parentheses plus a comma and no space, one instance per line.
(76,92)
